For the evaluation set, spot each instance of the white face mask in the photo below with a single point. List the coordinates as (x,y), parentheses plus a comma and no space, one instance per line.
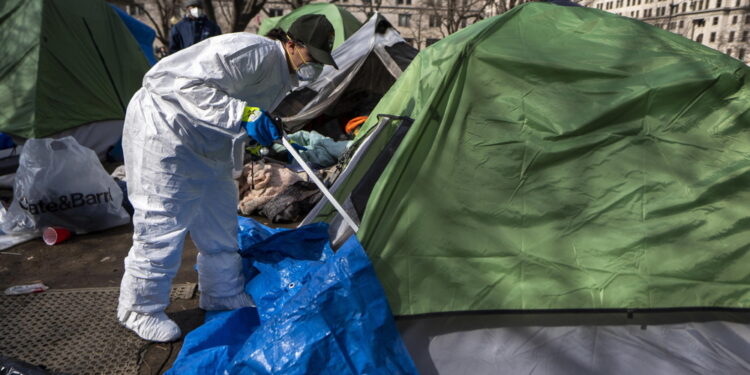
(309,71)
(196,12)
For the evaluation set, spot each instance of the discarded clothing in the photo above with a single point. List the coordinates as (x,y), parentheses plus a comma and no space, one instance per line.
(293,203)
(261,181)
(321,151)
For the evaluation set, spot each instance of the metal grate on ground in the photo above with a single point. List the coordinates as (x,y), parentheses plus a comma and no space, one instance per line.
(72,331)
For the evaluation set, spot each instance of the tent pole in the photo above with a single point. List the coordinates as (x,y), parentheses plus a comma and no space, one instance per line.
(320,184)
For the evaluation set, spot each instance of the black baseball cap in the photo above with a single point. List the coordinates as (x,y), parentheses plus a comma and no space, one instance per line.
(316,33)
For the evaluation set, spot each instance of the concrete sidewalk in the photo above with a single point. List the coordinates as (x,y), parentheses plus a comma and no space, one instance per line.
(89,261)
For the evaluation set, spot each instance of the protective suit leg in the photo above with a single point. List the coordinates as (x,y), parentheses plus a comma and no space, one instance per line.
(152,262)
(214,233)
(149,268)
(163,200)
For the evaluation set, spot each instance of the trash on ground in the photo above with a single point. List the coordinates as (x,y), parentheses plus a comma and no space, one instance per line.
(8,240)
(46,194)
(55,235)
(26,289)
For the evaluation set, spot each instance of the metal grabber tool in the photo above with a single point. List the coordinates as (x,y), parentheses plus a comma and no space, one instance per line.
(319,183)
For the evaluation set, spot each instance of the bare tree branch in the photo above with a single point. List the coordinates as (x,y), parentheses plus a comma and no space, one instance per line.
(456,14)
(225,8)
(238,13)
(165,10)
(208,8)
(372,6)
(415,28)
(297,3)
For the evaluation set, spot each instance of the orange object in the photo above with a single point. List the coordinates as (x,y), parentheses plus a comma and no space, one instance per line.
(55,235)
(353,124)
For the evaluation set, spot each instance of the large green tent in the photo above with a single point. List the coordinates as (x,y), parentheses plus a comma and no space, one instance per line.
(562,158)
(64,64)
(344,23)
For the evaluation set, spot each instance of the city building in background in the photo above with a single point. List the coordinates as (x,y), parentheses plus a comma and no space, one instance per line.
(723,25)
(720,24)
(420,22)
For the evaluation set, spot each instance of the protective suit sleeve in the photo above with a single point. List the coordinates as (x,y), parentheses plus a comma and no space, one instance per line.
(206,90)
(209,105)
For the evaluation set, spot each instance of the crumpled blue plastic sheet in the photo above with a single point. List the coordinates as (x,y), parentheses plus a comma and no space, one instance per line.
(319,312)
(285,261)
(252,232)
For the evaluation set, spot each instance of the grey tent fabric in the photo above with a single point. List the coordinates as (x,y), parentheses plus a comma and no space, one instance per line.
(369,62)
(579,343)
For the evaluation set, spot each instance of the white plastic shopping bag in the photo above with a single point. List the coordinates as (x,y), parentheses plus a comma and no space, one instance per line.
(62,184)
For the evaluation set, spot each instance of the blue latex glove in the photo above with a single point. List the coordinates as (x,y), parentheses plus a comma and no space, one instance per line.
(260,126)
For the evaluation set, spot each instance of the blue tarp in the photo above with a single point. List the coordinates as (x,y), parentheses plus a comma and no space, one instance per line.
(319,312)
(142,33)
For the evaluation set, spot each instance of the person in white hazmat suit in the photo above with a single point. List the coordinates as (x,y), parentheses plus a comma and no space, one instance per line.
(183,137)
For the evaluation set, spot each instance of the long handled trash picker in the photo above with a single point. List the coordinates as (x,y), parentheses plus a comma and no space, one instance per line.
(319,183)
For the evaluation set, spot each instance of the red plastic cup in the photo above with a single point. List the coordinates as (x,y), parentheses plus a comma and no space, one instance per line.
(55,235)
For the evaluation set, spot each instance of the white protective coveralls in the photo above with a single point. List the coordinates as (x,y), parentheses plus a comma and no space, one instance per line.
(182,139)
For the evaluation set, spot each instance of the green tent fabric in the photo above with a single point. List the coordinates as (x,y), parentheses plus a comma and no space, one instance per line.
(65,63)
(344,23)
(564,158)
(269,24)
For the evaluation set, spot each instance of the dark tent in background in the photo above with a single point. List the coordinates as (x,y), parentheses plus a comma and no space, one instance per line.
(369,62)
(570,197)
